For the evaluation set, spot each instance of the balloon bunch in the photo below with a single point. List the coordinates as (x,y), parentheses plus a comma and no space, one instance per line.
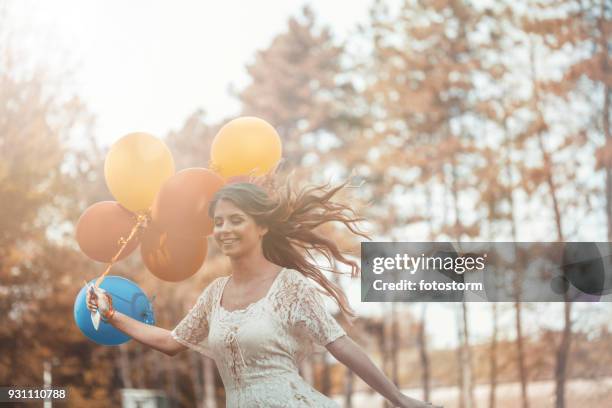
(164,212)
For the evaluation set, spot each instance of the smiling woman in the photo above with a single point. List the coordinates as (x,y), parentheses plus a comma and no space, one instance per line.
(235,231)
(260,322)
(247,218)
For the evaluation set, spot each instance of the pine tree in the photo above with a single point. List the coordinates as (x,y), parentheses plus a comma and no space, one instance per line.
(298,86)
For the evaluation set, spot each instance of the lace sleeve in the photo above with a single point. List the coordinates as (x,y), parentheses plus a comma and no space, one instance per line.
(312,318)
(192,331)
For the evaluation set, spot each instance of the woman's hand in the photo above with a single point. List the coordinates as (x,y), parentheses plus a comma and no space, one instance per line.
(407,402)
(98,299)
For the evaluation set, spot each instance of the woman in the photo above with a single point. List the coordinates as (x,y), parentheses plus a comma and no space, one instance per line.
(259,323)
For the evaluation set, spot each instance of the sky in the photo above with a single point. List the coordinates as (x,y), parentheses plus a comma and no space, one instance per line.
(147,65)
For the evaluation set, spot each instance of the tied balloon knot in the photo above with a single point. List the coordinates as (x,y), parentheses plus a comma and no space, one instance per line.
(148,314)
(143,220)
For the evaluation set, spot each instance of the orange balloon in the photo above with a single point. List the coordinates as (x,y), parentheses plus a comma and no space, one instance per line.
(245,146)
(135,168)
(100,228)
(181,206)
(170,257)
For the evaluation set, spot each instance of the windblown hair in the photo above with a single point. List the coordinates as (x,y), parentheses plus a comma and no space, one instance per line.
(291,217)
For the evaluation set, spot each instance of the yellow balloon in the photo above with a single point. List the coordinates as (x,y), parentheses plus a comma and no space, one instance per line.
(245,146)
(135,168)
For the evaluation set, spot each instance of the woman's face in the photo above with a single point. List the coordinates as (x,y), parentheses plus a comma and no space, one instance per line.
(235,232)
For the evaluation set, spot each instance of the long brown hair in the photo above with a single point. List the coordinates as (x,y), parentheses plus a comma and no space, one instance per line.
(291,217)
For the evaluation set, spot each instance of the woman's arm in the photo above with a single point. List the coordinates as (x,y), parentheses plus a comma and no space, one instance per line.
(149,335)
(351,355)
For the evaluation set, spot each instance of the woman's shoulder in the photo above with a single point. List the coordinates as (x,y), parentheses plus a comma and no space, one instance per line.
(293,276)
(294,282)
(211,290)
(216,283)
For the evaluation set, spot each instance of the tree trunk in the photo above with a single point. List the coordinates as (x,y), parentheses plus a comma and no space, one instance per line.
(394,345)
(608,171)
(195,360)
(389,353)
(466,363)
(424,357)
(518,322)
(326,376)
(562,355)
(520,349)
(348,391)
(493,358)
(460,362)
(465,360)
(603,43)
(422,335)
(380,329)
(124,366)
(518,279)
(139,378)
(157,373)
(171,370)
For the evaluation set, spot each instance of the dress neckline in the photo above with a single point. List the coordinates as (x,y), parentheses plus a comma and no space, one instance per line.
(247,307)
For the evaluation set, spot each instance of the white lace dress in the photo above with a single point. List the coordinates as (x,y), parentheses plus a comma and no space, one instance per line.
(258,349)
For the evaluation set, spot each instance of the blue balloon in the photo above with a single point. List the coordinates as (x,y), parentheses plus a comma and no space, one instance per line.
(128,299)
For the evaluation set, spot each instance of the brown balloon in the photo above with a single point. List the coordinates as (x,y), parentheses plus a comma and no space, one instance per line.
(181,205)
(170,257)
(100,229)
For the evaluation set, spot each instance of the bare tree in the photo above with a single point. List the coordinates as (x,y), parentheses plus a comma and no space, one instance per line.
(423,355)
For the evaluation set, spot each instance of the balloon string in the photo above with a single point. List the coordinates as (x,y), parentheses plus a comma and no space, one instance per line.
(142,218)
